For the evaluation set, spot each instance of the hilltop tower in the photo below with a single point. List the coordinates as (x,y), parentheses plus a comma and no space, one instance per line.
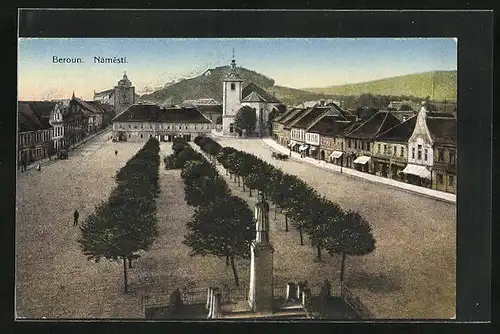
(261,293)
(231,98)
(124,94)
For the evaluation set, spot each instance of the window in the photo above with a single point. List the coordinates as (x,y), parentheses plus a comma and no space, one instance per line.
(385,149)
(349,143)
(395,150)
(451,180)
(378,148)
(129,135)
(233,86)
(180,127)
(168,127)
(413,152)
(355,144)
(135,126)
(368,146)
(440,178)
(150,126)
(141,135)
(142,126)
(419,153)
(425,154)
(402,151)
(452,157)
(440,155)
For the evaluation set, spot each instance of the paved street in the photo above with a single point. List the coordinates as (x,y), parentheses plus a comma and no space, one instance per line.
(412,271)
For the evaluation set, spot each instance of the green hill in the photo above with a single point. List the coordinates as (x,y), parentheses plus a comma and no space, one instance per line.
(418,85)
(209,85)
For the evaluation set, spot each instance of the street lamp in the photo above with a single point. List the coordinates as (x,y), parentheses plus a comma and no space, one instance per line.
(341,161)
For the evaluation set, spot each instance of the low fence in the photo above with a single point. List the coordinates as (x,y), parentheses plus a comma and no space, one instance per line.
(354,301)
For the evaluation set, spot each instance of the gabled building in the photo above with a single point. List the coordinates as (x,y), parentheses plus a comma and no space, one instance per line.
(308,142)
(443,130)
(327,129)
(359,141)
(390,150)
(281,135)
(140,122)
(421,154)
(34,131)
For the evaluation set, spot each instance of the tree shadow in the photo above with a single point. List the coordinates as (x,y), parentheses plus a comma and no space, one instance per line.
(374,282)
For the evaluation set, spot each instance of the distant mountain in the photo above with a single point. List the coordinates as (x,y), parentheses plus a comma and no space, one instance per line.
(209,85)
(418,85)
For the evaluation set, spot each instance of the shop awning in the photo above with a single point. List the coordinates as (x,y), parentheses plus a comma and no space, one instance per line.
(291,143)
(362,160)
(336,154)
(314,148)
(417,170)
(303,147)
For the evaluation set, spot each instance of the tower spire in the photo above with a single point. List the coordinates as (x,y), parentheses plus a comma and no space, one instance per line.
(73,96)
(233,63)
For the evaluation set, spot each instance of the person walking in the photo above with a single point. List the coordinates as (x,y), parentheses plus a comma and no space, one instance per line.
(75,217)
(39,167)
(116,152)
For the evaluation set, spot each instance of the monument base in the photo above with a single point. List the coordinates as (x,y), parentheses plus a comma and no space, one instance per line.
(261,294)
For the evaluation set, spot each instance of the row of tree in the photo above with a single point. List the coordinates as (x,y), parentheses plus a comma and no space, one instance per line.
(329,227)
(182,153)
(126,223)
(222,225)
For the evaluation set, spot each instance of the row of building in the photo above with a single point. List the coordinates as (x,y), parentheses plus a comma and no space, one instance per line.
(46,127)
(420,150)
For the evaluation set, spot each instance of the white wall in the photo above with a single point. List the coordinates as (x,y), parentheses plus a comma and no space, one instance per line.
(312,138)
(421,136)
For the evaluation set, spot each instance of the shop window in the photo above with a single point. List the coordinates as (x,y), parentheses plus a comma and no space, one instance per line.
(451,180)
(440,178)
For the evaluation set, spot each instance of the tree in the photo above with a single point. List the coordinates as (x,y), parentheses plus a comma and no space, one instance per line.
(225,228)
(246,119)
(352,237)
(323,219)
(118,230)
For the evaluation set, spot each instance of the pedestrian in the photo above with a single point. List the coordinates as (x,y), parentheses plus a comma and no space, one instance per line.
(39,167)
(75,217)
(116,152)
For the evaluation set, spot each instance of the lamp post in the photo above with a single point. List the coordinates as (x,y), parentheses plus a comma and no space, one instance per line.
(341,162)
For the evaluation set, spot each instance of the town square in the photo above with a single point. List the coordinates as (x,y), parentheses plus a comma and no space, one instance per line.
(227,147)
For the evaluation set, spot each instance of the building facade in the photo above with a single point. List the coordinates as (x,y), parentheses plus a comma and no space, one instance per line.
(143,121)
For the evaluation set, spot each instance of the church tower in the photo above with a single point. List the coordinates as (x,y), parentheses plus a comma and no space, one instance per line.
(231,98)
(261,293)
(124,94)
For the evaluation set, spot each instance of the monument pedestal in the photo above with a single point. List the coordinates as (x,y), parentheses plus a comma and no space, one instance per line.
(261,293)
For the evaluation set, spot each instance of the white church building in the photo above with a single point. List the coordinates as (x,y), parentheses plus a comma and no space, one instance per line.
(235,96)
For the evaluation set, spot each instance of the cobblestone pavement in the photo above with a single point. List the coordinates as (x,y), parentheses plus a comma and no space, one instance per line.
(411,274)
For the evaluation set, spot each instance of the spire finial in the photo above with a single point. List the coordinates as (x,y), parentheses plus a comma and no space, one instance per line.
(233,53)
(73,96)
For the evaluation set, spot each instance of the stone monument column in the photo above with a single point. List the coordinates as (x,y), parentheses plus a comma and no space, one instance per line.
(261,293)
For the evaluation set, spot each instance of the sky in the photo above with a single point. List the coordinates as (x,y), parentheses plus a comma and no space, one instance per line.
(151,62)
